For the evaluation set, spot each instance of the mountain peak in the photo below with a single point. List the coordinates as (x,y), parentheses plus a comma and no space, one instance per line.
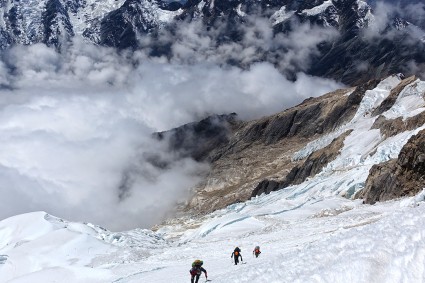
(342,50)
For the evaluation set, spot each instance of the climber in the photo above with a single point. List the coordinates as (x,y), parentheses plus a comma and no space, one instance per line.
(256,251)
(236,254)
(197,270)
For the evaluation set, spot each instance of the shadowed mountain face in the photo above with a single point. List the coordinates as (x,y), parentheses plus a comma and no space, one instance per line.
(197,140)
(351,41)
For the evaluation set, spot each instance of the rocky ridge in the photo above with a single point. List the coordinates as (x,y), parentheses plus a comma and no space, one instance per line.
(270,154)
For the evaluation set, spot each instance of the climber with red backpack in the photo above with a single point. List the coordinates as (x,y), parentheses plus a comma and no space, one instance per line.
(197,270)
(256,251)
(236,254)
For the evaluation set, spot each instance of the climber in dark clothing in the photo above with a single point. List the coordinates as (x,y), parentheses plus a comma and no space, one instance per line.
(196,271)
(256,251)
(236,254)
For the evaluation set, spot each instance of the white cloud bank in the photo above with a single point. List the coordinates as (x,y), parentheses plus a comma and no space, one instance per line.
(75,125)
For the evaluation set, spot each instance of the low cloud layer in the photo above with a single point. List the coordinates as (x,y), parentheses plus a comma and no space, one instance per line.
(385,12)
(76,128)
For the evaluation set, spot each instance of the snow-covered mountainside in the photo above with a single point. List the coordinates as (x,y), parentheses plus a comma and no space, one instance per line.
(349,40)
(312,229)
(313,139)
(332,240)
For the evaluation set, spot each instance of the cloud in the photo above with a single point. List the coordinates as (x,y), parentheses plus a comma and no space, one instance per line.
(411,10)
(76,127)
(297,48)
(185,92)
(416,68)
(415,12)
(383,14)
(241,45)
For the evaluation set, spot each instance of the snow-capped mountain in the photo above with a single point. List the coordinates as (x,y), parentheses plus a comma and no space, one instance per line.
(312,229)
(55,21)
(349,39)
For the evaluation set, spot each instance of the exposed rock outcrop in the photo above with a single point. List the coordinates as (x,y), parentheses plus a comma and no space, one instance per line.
(393,127)
(266,187)
(310,167)
(261,151)
(400,177)
(199,139)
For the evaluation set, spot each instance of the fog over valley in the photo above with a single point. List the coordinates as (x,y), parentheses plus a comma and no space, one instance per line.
(75,123)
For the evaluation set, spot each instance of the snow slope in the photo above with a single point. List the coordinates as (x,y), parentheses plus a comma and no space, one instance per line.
(307,232)
(328,240)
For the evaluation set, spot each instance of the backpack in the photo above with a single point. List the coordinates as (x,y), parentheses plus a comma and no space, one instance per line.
(257,248)
(197,262)
(237,250)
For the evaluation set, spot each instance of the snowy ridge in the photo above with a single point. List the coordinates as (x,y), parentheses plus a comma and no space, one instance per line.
(281,15)
(90,14)
(28,18)
(365,147)
(407,102)
(25,21)
(371,100)
(54,242)
(365,14)
(318,9)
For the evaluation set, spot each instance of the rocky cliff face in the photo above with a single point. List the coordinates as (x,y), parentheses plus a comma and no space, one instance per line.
(404,176)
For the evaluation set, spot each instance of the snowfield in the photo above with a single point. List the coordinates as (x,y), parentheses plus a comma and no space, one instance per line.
(307,233)
(328,240)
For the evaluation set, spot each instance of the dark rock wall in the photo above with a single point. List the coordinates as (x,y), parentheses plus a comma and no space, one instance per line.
(404,176)
(197,140)
(55,20)
(314,116)
(122,27)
